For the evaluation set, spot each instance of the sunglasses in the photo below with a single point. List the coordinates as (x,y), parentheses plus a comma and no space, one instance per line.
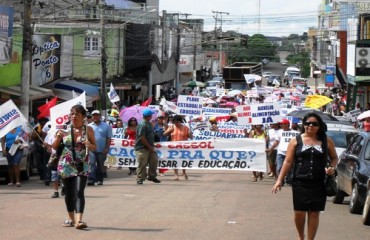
(314,124)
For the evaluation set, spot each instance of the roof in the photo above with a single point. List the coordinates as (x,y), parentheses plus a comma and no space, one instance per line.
(35,92)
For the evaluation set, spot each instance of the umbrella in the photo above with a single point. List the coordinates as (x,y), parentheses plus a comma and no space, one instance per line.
(133,111)
(208,101)
(232,93)
(302,113)
(364,115)
(194,84)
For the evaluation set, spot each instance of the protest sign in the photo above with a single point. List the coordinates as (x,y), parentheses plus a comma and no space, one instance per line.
(245,154)
(216,111)
(10,117)
(189,105)
(59,114)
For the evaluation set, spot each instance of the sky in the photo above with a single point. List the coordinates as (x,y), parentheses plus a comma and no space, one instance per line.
(275,18)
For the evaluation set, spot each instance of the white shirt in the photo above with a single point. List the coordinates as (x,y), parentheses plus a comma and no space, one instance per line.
(284,138)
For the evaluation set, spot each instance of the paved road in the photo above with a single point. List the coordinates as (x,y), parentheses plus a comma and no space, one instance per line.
(210,205)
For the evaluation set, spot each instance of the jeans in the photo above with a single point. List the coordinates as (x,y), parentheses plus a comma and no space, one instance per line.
(279,164)
(97,160)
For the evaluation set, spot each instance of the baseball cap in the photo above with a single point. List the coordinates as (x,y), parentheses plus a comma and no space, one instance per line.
(147,112)
(283,121)
(95,112)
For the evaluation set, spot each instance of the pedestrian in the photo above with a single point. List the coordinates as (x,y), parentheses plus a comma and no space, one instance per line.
(271,151)
(38,152)
(307,155)
(259,133)
(144,149)
(285,135)
(103,135)
(73,165)
(13,159)
(159,128)
(119,124)
(179,132)
(130,134)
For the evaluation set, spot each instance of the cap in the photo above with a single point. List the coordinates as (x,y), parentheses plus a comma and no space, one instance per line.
(147,112)
(95,112)
(283,121)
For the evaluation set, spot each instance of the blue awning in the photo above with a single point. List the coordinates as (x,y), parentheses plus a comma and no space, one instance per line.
(78,87)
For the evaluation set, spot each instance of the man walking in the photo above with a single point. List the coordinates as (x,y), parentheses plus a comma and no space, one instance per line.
(103,135)
(144,149)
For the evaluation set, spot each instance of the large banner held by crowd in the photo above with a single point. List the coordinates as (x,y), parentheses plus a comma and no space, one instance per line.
(214,154)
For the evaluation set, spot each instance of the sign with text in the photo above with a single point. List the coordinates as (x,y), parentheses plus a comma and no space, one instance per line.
(216,111)
(189,105)
(259,113)
(213,154)
(46,52)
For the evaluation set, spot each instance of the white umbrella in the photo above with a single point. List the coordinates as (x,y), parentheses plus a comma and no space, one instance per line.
(232,93)
(364,115)
(208,101)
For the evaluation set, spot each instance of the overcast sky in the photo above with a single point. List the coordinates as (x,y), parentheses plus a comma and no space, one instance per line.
(277,17)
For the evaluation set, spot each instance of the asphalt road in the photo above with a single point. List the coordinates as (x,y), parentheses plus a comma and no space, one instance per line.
(210,205)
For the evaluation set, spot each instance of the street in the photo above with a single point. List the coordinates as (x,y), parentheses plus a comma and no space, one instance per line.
(210,205)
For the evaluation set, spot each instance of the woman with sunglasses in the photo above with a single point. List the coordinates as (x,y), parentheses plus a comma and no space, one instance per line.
(130,134)
(307,154)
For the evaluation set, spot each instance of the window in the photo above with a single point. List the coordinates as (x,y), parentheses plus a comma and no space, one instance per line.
(92,46)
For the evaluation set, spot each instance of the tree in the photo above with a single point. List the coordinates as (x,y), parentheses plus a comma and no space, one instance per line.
(302,61)
(259,47)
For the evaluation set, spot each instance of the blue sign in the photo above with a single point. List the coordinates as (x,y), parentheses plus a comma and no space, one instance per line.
(6,21)
(330,73)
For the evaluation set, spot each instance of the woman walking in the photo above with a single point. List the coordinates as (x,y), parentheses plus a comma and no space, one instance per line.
(73,165)
(307,154)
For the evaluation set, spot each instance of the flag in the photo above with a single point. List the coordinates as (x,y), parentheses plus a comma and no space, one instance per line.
(59,114)
(112,94)
(316,101)
(10,117)
(45,109)
(24,134)
(147,102)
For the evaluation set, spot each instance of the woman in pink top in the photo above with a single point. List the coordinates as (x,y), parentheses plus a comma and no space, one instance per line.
(130,134)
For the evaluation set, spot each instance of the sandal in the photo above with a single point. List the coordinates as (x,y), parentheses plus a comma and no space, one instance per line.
(18,184)
(254,179)
(81,225)
(68,223)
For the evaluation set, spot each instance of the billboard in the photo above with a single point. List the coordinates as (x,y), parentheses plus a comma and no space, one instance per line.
(46,53)
(330,76)
(6,32)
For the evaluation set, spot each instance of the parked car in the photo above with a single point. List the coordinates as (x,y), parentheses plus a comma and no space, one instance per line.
(284,62)
(266,74)
(366,210)
(353,172)
(272,77)
(25,165)
(341,132)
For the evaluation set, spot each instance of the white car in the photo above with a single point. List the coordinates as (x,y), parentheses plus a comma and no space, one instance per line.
(25,165)
(266,74)
(341,133)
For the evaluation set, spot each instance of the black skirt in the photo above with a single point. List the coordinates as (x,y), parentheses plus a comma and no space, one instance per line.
(308,195)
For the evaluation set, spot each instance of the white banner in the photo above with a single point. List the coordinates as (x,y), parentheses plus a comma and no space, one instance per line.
(216,111)
(112,94)
(10,117)
(189,105)
(260,113)
(245,154)
(206,134)
(59,114)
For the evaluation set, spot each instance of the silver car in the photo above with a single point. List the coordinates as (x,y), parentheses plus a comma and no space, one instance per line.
(25,165)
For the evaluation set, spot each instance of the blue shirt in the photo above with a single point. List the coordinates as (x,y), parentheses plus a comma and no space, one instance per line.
(102,131)
(10,137)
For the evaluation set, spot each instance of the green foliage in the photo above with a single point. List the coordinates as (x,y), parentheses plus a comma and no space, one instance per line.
(302,61)
(259,47)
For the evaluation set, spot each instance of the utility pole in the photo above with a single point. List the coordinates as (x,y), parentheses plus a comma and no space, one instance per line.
(26,58)
(186,15)
(221,21)
(103,63)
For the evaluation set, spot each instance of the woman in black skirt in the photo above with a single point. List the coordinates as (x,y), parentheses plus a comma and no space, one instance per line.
(308,154)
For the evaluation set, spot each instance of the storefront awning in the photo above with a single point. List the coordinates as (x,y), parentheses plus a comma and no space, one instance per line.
(78,87)
(35,92)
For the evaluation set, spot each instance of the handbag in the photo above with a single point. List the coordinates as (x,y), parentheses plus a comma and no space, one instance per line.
(330,186)
(54,157)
